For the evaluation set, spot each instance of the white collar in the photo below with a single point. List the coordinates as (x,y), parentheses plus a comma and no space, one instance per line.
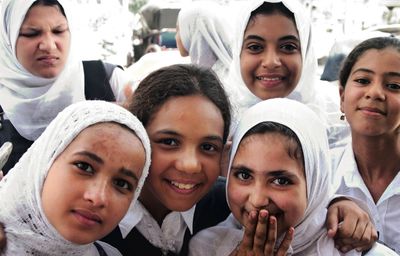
(134,216)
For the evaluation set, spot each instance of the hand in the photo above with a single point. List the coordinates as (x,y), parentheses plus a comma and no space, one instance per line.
(2,239)
(260,236)
(350,226)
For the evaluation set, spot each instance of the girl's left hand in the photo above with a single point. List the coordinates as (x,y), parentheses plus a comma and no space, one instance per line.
(260,236)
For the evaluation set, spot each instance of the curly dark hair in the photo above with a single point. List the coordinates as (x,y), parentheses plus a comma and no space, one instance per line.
(175,81)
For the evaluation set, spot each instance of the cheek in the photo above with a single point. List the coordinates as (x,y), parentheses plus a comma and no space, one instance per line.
(236,195)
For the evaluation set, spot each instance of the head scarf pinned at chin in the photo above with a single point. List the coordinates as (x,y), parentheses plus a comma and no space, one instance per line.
(29,101)
(305,91)
(312,135)
(26,225)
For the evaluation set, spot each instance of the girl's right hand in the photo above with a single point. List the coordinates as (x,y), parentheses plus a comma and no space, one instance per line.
(260,236)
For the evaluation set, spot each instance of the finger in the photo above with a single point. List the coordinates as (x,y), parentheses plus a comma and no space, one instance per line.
(261,232)
(368,240)
(332,221)
(347,227)
(250,224)
(271,238)
(287,241)
(2,238)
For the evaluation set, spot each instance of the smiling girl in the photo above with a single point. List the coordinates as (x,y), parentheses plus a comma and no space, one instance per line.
(278,187)
(273,57)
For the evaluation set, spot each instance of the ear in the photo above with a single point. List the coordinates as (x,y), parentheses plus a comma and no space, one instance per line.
(341,93)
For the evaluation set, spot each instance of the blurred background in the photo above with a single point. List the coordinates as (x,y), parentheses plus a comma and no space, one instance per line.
(121,31)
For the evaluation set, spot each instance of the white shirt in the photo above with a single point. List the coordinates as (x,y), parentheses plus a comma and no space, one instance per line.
(168,237)
(386,212)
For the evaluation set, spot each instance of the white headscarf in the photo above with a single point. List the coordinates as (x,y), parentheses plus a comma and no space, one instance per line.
(305,92)
(205,34)
(26,226)
(312,135)
(29,101)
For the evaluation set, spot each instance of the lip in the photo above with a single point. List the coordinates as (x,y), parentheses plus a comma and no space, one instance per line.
(183,186)
(47,59)
(270,80)
(87,217)
(372,111)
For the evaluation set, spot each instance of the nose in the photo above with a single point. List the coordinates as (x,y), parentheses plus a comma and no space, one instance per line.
(259,197)
(96,193)
(375,91)
(188,162)
(271,59)
(47,43)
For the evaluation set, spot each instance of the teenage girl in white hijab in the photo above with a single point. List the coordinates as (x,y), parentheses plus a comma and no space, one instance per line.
(25,211)
(271,185)
(287,65)
(204,34)
(31,97)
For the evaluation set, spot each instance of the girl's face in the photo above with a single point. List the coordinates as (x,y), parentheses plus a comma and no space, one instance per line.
(44,40)
(186,138)
(270,60)
(371,98)
(90,186)
(264,176)
(179,44)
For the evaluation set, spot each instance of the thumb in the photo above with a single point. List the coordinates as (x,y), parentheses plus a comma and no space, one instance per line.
(332,221)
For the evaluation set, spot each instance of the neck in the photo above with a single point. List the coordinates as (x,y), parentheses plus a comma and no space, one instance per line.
(157,210)
(378,161)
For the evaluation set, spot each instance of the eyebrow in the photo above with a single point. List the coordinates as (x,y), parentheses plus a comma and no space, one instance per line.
(277,173)
(284,38)
(129,173)
(174,133)
(392,73)
(94,157)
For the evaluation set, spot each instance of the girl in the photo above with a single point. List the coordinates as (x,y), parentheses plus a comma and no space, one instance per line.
(368,168)
(202,32)
(278,180)
(41,71)
(186,114)
(273,57)
(75,183)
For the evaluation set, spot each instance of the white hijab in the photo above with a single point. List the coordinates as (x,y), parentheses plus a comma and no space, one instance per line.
(305,91)
(26,226)
(29,101)
(205,34)
(312,135)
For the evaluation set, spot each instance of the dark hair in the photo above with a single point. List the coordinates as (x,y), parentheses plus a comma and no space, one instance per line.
(377,43)
(49,3)
(273,8)
(174,81)
(294,148)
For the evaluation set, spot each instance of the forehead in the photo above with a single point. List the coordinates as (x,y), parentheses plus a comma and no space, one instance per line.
(274,24)
(39,12)
(190,111)
(389,59)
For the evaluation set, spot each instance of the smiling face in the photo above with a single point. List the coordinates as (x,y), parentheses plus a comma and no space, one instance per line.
(186,138)
(264,176)
(270,59)
(43,43)
(371,97)
(91,184)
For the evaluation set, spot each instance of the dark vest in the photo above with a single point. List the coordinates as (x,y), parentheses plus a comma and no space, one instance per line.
(211,210)
(97,86)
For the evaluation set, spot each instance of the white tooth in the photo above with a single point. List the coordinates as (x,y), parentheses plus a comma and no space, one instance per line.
(182,186)
(268,79)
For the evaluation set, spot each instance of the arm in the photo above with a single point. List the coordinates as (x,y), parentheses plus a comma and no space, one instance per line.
(350,226)
(260,236)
